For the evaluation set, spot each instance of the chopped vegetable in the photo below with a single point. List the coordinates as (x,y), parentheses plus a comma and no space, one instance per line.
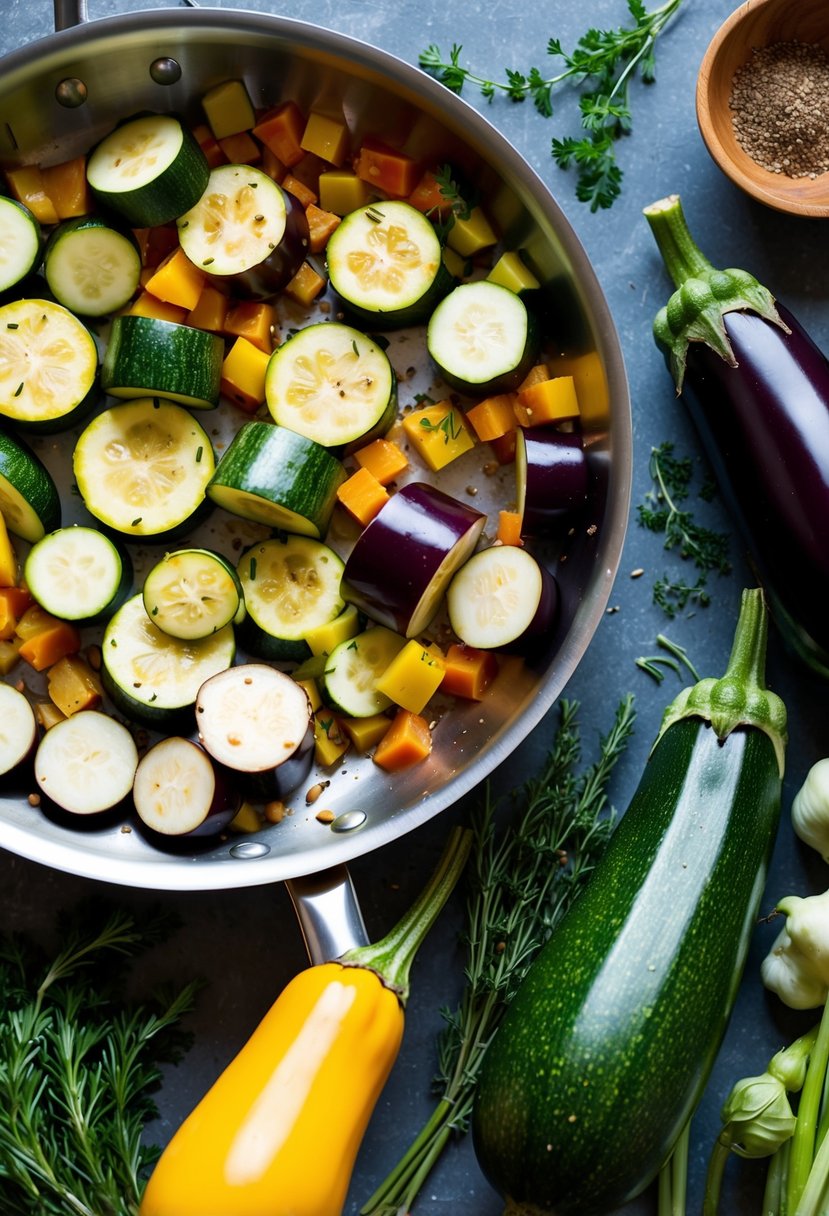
(408,741)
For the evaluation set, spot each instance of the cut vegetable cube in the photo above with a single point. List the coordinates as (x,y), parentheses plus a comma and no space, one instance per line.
(536,375)
(503,448)
(330,743)
(281,130)
(592,389)
(384,169)
(362,496)
(407,741)
(326,137)
(493,417)
(27,186)
(9,654)
(67,188)
(48,714)
(438,433)
(43,649)
(247,820)
(383,459)
(243,375)
(33,621)
(241,149)
(365,733)
(210,311)
(156,243)
(457,266)
(74,686)
(323,638)
(305,286)
(552,400)
(429,198)
(177,281)
(148,305)
(254,320)
(17,599)
(320,226)
(295,186)
(209,145)
(228,108)
(468,236)
(509,528)
(509,271)
(342,192)
(312,692)
(413,676)
(468,672)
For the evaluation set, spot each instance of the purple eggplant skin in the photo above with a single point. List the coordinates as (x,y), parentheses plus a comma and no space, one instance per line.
(269,277)
(278,783)
(555,476)
(225,800)
(398,569)
(539,632)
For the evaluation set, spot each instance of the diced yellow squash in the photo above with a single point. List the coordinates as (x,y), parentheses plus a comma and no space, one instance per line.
(9,654)
(330,743)
(454,263)
(305,286)
(210,311)
(536,375)
(27,186)
(148,305)
(67,188)
(312,692)
(48,714)
(8,557)
(73,685)
(468,236)
(324,638)
(243,375)
(510,272)
(365,733)
(341,191)
(246,819)
(177,281)
(413,676)
(552,400)
(326,137)
(228,109)
(240,149)
(438,433)
(590,379)
(33,621)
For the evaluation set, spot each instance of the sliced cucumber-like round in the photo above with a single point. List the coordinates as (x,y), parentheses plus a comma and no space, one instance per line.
(332,384)
(276,477)
(482,338)
(18,733)
(142,467)
(150,170)
(178,791)
(78,574)
(499,597)
(151,677)
(291,585)
(21,242)
(85,764)
(193,592)
(90,267)
(147,356)
(385,263)
(353,668)
(48,365)
(29,498)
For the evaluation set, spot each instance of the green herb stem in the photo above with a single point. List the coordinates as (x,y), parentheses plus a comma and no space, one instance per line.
(803,1141)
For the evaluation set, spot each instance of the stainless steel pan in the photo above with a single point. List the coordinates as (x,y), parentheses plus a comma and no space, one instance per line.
(60,94)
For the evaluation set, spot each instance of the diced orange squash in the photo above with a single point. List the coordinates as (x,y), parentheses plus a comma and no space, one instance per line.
(148,305)
(228,108)
(67,187)
(271,164)
(590,378)
(308,171)
(384,169)
(504,448)
(438,433)
(407,741)
(362,496)
(365,733)
(509,528)
(27,186)
(243,375)
(254,320)
(241,149)
(18,599)
(468,671)
(177,281)
(281,130)
(428,197)
(383,459)
(330,742)
(413,676)
(8,621)
(156,243)
(32,621)
(48,714)
(8,557)
(210,311)
(493,417)
(8,654)
(73,686)
(326,137)
(302,193)
(552,400)
(306,285)
(320,226)
(342,191)
(536,375)
(209,145)
(43,649)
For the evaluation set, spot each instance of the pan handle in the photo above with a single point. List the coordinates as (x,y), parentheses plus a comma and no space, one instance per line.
(328,913)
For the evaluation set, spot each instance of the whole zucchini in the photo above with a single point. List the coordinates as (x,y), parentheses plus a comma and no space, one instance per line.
(607,1045)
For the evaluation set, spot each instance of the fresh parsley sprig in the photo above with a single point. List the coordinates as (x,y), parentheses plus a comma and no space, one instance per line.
(603,64)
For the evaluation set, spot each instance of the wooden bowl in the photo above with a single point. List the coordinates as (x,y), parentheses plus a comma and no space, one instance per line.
(758,23)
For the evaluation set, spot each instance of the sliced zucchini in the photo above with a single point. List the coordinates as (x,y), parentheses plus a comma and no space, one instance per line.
(78,574)
(146,356)
(150,170)
(90,267)
(332,384)
(244,228)
(18,734)
(501,596)
(385,263)
(151,677)
(85,764)
(193,592)
(178,791)
(482,339)
(142,467)
(291,585)
(353,668)
(48,365)
(29,499)
(276,477)
(21,243)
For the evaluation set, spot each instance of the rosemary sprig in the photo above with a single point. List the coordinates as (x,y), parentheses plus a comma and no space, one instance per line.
(603,64)
(522,880)
(77,1068)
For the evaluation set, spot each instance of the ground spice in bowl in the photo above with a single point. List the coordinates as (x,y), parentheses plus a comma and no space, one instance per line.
(780,108)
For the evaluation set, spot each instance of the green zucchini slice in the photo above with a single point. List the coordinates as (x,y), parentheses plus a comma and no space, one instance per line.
(90,267)
(193,592)
(332,384)
(142,467)
(147,356)
(48,365)
(20,242)
(150,170)
(354,667)
(482,339)
(291,585)
(276,477)
(386,265)
(78,574)
(29,498)
(237,223)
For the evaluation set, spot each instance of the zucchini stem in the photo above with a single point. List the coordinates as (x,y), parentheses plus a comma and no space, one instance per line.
(803,1141)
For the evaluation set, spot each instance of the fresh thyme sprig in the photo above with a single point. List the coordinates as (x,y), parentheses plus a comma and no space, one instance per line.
(603,63)
(77,1068)
(522,880)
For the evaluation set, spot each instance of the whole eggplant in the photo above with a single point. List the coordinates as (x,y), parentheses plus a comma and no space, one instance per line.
(757,388)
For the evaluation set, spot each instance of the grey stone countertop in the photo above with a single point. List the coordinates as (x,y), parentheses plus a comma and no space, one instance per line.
(246,941)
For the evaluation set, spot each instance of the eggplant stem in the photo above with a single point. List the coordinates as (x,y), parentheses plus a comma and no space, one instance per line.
(682,256)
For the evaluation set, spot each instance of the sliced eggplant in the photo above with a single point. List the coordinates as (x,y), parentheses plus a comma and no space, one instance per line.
(85,765)
(179,791)
(18,736)
(502,598)
(550,476)
(257,721)
(402,562)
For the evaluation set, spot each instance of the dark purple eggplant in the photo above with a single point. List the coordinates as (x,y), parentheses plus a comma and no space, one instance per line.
(757,388)
(179,790)
(551,476)
(402,562)
(269,277)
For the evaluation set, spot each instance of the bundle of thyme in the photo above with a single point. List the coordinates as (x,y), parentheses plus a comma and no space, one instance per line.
(603,64)
(521,879)
(78,1066)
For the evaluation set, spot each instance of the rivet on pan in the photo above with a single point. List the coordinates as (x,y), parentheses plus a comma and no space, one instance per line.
(165,71)
(71,92)
(348,821)
(250,849)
